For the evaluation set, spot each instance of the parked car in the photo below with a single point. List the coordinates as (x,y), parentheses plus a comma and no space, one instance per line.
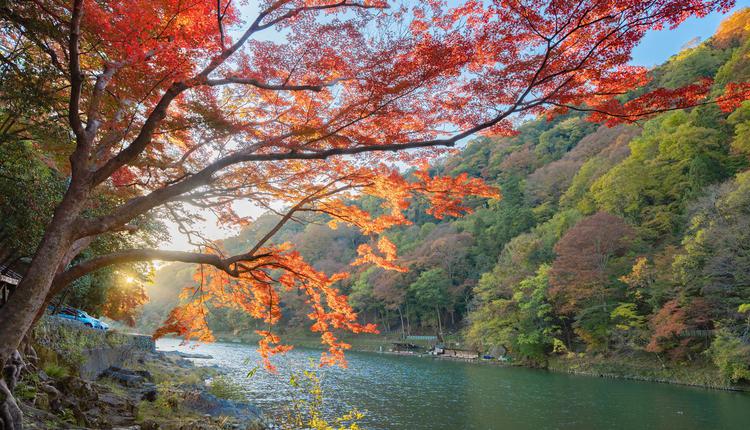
(80,316)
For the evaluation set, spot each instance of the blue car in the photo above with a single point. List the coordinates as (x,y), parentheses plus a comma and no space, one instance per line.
(79,316)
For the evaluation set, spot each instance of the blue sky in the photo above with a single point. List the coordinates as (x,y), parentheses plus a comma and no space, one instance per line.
(657,46)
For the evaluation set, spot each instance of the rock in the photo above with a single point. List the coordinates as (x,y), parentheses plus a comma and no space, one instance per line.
(41,401)
(79,389)
(53,397)
(148,392)
(129,378)
(206,403)
(197,426)
(189,355)
(79,415)
(112,401)
(150,425)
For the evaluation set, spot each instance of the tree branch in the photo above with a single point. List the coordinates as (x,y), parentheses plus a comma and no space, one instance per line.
(76,81)
(132,255)
(273,87)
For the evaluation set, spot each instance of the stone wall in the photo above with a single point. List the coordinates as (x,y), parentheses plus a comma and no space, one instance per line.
(89,350)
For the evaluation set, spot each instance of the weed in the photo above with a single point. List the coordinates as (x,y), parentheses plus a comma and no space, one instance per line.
(55,371)
(225,388)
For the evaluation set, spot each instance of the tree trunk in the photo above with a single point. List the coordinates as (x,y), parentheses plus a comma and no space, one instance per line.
(408,322)
(401,317)
(11,417)
(10,414)
(17,316)
(440,325)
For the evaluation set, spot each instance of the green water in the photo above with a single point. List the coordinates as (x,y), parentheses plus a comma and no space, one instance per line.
(422,393)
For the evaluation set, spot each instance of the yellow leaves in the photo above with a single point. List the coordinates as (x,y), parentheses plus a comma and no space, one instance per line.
(734,28)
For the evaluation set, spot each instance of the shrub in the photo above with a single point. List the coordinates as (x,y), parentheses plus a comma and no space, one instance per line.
(225,388)
(307,408)
(731,355)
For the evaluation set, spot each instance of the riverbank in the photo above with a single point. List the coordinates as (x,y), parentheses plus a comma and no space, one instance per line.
(640,368)
(699,374)
(79,378)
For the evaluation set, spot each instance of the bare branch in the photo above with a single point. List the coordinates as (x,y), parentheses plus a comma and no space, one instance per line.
(273,87)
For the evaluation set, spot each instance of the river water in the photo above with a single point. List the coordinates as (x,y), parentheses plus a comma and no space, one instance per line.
(413,393)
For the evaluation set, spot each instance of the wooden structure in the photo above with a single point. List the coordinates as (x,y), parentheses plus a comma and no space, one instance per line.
(460,353)
(9,270)
(405,347)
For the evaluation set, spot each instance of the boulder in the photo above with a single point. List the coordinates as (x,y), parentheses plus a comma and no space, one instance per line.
(206,403)
(148,392)
(150,425)
(53,396)
(127,377)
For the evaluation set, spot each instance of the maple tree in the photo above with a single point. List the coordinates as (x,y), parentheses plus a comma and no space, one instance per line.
(175,105)
(580,273)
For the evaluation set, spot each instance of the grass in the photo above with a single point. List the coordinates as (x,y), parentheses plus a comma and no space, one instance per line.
(225,388)
(113,386)
(55,371)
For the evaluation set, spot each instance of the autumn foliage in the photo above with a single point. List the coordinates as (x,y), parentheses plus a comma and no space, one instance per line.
(581,271)
(300,107)
(124,301)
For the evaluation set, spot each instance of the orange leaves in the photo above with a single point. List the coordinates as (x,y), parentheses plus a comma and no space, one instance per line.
(163,32)
(446,193)
(124,301)
(292,123)
(122,177)
(335,188)
(187,321)
(386,261)
(268,345)
(254,290)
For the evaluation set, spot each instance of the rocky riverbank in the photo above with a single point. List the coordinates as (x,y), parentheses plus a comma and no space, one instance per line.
(145,390)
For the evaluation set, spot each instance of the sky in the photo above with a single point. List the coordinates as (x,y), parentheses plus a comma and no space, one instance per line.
(658,46)
(655,48)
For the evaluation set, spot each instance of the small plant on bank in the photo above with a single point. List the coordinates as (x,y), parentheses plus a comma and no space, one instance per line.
(26,389)
(307,407)
(55,371)
(225,388)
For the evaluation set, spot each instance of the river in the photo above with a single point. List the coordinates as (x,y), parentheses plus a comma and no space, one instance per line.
(413,393)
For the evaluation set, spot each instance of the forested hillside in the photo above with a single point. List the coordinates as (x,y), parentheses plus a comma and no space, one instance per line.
(607,239)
